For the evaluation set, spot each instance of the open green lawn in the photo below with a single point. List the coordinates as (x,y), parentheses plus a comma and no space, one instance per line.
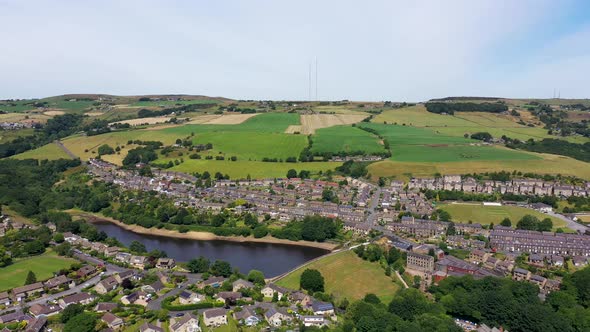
(348,276)
(49,151)
(345,138)
(486,215)
(43,266)
(241,169)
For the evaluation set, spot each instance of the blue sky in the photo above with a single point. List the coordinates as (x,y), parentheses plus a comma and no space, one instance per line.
(369,50)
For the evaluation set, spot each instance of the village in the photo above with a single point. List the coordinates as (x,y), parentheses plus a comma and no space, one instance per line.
(119,284)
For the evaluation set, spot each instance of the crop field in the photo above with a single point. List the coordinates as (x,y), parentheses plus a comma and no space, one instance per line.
(54,113)
(549,164)
(345,138)
(251,145)
(229,119)
(348,276)
(43,266)
(343,109)
(265,122)
(49,151)
(241,169)
(312,122)
(485,215)
(22,117)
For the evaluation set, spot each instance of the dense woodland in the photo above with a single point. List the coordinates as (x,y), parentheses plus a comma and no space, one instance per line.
(554,146)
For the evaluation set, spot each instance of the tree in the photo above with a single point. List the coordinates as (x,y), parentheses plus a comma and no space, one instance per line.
(199,265)
(528,222)
(5,258)
(137,247)
(58,238)
(545,225)
(291,174)
(312,281)
(451,229)
(221,268)
(31,278)
(443,215)
(71,311)
(393,255)
(506,222)
(84,322)
(371,298)
(256,277)
(127,284)
(63,249)
(105,149)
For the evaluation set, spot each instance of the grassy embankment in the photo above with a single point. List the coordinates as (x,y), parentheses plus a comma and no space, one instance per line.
(348,276)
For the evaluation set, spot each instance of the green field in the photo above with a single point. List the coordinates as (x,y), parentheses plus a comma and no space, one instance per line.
(262,123)
(252,146)
(486,215)
(49,151)
(455,153)
(348,276)
(174,102)
(406,135)
(466,122)
(241,169)
(413,144)
(549,164)
(345,138)
(43,266)
(9,135)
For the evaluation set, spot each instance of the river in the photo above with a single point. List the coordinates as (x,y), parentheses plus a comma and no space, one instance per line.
(272,259)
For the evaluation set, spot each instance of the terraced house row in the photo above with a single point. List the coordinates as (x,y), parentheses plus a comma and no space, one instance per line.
(517,186)
(548,243)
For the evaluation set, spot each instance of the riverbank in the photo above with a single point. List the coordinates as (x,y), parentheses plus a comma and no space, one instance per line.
(200,236)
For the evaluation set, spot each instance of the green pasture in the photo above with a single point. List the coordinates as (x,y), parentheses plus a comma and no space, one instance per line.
(49,151)
(453,153)
(262,123)
(406,135)
(345,138)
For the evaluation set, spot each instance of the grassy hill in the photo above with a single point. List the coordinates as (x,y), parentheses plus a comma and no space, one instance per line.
(345,138)
(348,276)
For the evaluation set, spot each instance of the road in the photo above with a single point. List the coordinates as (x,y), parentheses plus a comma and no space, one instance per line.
(191,279)
(372,217)
(570,223)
